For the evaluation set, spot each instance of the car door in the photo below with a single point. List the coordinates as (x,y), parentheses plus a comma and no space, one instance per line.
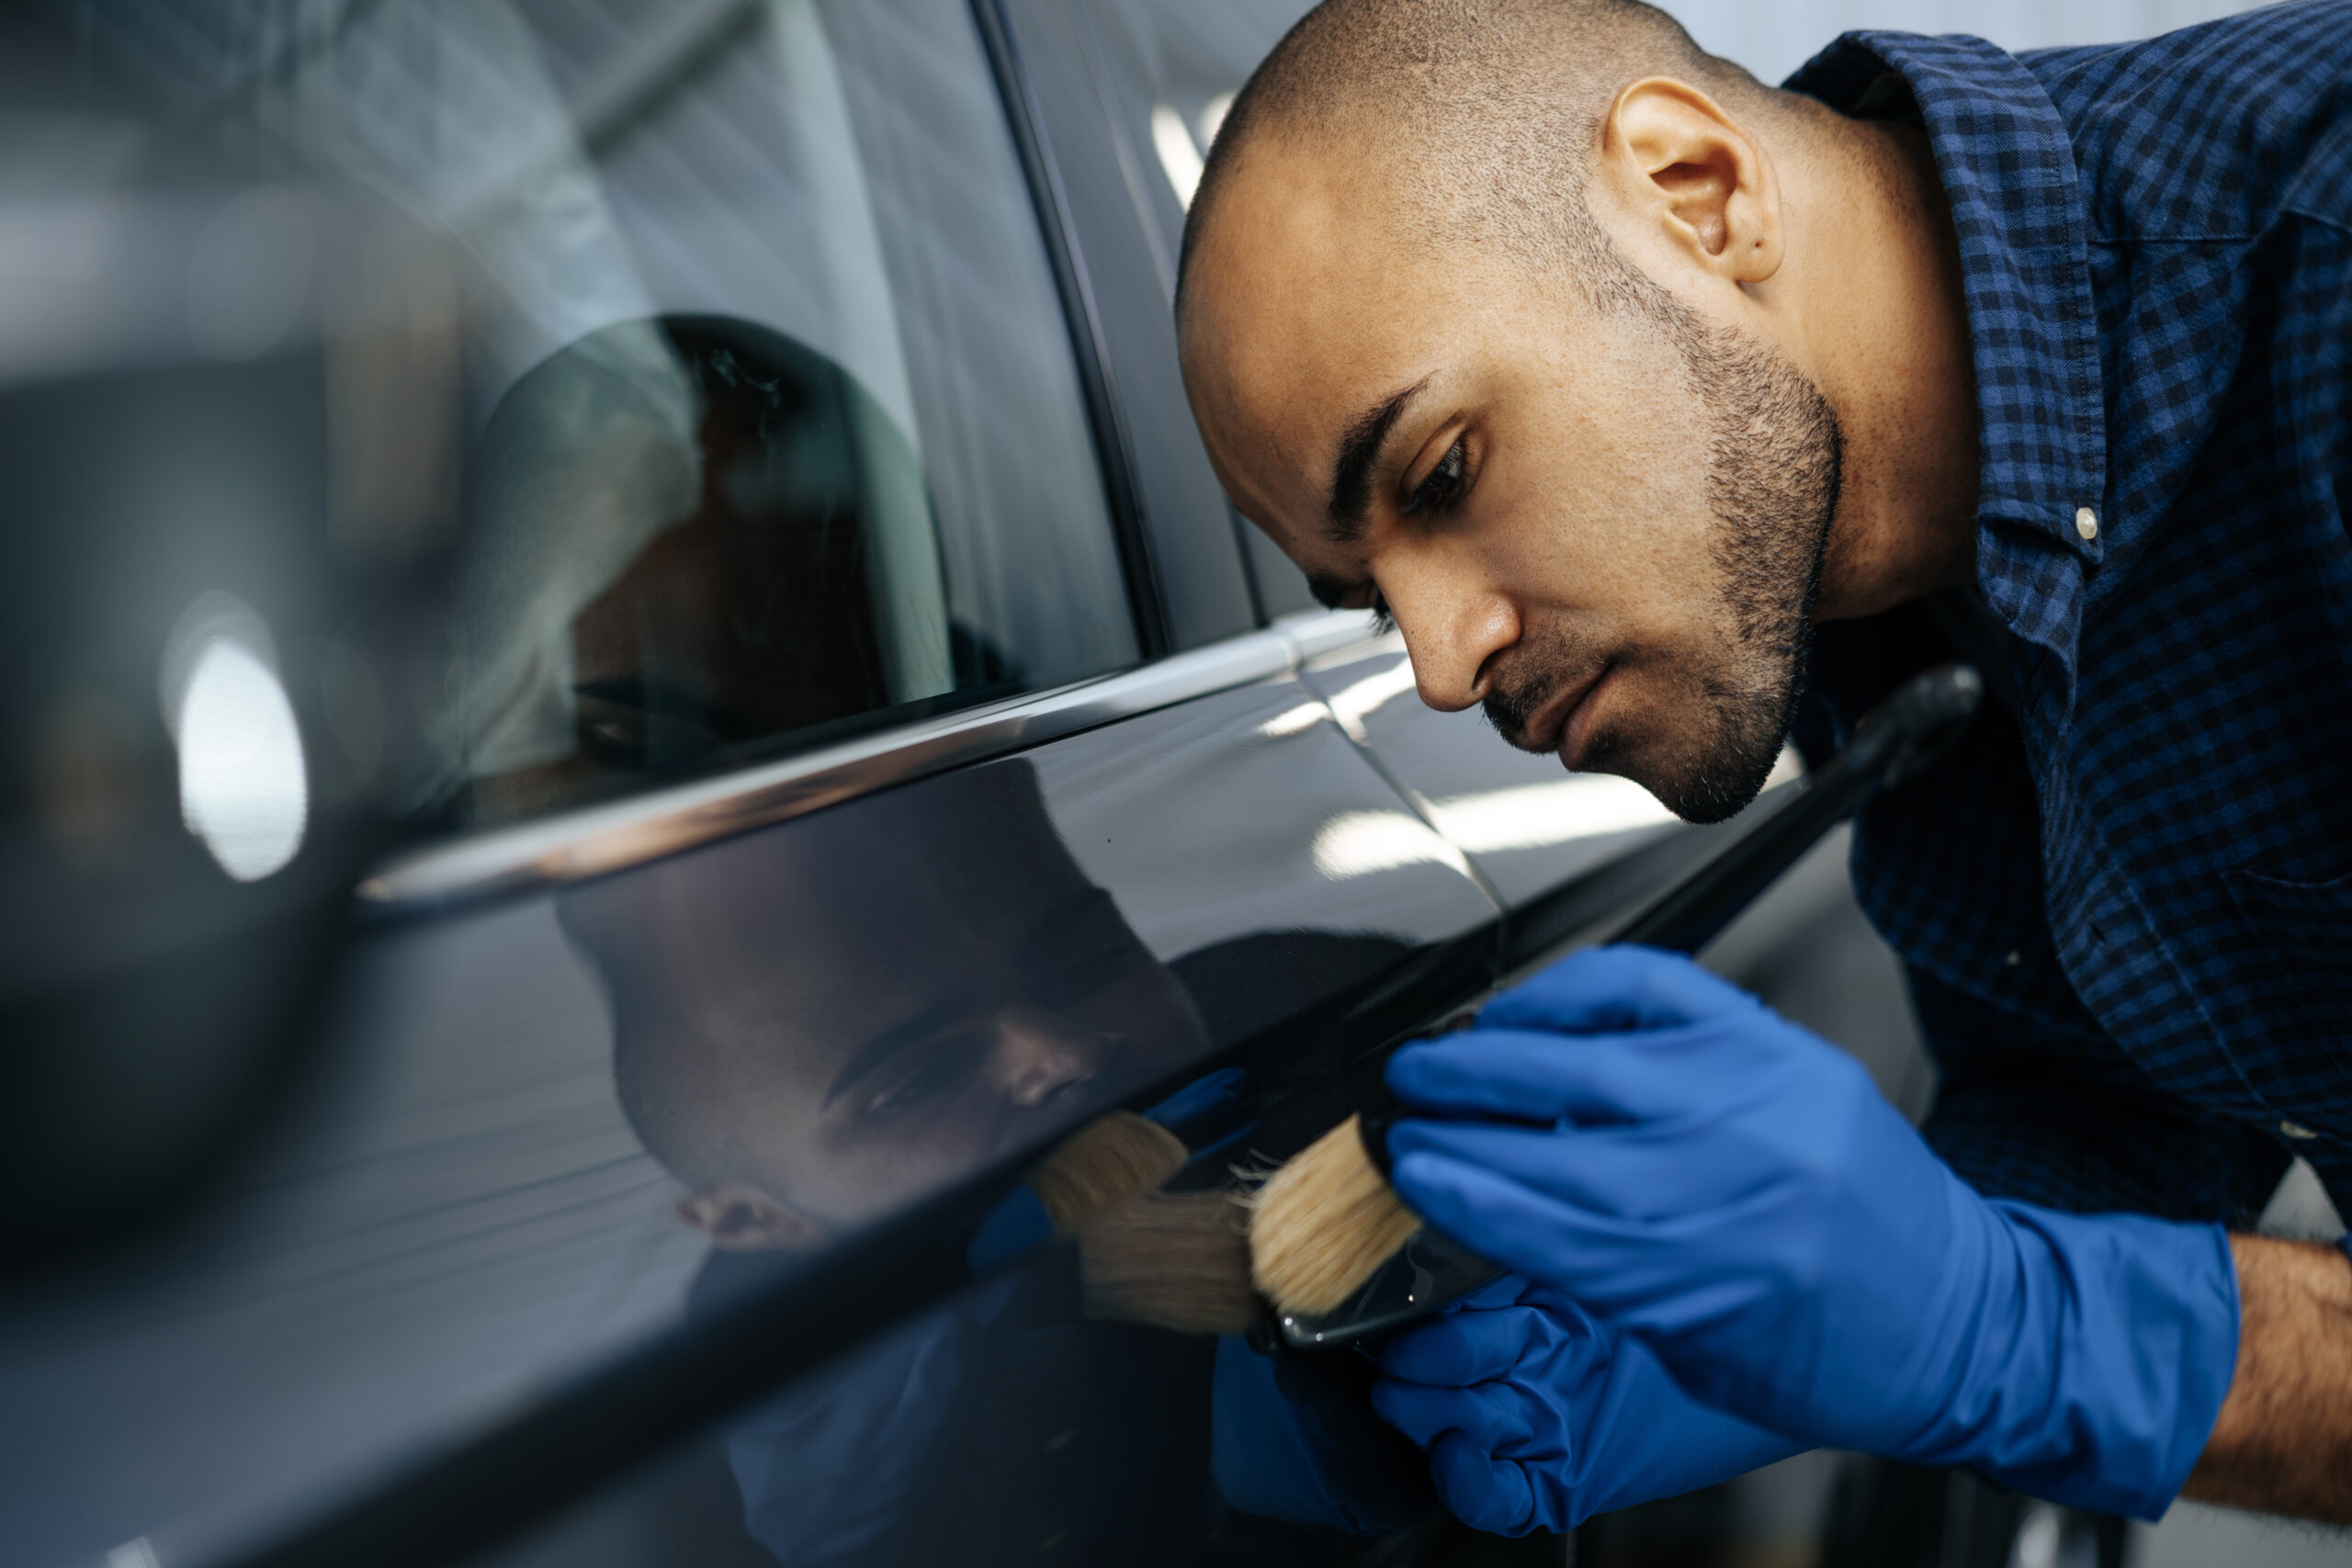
(832,798)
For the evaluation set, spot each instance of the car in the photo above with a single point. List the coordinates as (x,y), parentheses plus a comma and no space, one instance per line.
(851,746)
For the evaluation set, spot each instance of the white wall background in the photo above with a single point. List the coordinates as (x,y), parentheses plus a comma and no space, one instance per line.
(1772,38)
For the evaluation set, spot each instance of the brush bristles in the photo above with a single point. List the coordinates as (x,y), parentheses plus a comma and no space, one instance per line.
(1175,1260)
(1322,1224)
(1102,1165)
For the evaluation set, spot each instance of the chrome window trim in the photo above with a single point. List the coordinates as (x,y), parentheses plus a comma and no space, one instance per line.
(592,841)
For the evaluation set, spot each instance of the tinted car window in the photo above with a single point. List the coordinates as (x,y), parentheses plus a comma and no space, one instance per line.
(1170,68)
(779,427)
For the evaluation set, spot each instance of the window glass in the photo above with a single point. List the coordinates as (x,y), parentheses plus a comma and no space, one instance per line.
(780,433)
(1171,69)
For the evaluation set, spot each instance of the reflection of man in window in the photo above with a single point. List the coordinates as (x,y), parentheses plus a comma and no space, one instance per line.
(688,535)
(816,1022)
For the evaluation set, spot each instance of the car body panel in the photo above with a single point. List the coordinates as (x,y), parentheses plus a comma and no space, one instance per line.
(462,1216)
(1527,826)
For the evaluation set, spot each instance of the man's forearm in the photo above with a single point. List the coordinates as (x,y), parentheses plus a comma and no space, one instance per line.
(2283,1443)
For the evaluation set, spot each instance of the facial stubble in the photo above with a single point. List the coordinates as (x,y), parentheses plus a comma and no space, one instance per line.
(1772,486)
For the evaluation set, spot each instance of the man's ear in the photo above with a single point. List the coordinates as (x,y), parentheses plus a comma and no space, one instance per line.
(1678,159)
(741,1218)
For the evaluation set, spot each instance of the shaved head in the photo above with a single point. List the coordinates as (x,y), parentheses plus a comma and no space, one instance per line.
(1476,315)
(1495,103)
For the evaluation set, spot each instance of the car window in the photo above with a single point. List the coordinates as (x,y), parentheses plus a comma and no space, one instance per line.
(779,433)
(1170,68)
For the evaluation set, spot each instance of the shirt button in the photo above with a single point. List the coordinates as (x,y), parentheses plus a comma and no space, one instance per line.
(2086,523)
(2013,959)
(2296,1130)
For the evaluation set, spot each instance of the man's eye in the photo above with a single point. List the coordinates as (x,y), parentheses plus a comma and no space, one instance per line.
(1384,620)
(921,1077)
(1442,486)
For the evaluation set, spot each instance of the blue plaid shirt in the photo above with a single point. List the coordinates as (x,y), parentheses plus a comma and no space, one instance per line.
(2126,901)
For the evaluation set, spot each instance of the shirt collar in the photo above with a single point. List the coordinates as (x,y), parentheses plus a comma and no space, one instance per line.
(2007,167)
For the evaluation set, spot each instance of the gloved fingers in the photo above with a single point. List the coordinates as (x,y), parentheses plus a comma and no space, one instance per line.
(1646,1175)
(1496,1217)
(1610,988)
(1497,1415)
(1624,1271)
(1527,1077)
(1483,1492)
(1502,1290)
(1460,1348)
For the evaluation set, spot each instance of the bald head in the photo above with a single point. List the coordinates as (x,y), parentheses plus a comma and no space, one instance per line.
(1485,322)
(1480,114)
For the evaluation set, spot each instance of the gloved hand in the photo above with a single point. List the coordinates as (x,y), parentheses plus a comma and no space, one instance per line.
(1697,1172)
(1294,1438)
(1537,1417)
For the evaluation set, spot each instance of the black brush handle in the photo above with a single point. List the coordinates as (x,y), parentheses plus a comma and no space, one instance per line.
(1897,738)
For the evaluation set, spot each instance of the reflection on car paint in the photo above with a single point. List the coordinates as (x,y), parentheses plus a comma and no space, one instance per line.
(1526,827)
(815,1023)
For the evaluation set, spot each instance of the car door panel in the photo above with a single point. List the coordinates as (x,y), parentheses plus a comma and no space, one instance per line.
(1527,828)
(480,1202)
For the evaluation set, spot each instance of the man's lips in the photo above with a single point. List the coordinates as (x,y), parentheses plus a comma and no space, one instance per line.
(1555,728)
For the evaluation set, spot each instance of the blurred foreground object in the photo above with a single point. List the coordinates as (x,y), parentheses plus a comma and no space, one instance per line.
(230,422)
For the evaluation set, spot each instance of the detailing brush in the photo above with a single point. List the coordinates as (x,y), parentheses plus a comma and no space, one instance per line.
(1321,1224)
(1175,1260)
(1323,1227)
(1110,1161)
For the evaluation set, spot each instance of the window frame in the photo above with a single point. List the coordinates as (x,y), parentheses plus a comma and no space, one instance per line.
(1088,344)
(665,817)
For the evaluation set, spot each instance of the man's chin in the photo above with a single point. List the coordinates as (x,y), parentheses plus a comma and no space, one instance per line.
(1714,795)
(1713,787)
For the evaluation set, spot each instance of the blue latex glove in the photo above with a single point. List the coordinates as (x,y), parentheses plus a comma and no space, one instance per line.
(1537,1417)
(1294,1438)
(1699,1172)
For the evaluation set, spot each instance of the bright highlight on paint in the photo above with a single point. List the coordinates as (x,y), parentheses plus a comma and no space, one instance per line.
(245,789)
(1358,843)
(1530,817)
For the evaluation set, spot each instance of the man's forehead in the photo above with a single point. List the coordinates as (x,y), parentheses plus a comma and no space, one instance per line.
(1302,317)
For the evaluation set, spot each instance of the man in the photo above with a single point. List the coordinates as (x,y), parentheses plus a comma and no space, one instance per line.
(1666,413)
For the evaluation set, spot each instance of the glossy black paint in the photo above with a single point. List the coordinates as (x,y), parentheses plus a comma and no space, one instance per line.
(464,1222)
(1525,824)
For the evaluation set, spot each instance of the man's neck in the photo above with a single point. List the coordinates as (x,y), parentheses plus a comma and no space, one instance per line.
(1888,335)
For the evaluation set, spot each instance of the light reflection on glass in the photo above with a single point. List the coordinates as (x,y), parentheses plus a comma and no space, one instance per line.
(245,789)
(1178,155)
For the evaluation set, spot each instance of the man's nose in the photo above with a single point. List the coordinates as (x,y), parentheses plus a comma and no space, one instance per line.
(1039,1055)
(1454,626)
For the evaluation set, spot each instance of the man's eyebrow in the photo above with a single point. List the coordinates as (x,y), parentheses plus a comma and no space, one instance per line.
(1359,445)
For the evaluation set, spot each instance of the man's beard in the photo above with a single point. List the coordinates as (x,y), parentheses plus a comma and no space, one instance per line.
(1772,484)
